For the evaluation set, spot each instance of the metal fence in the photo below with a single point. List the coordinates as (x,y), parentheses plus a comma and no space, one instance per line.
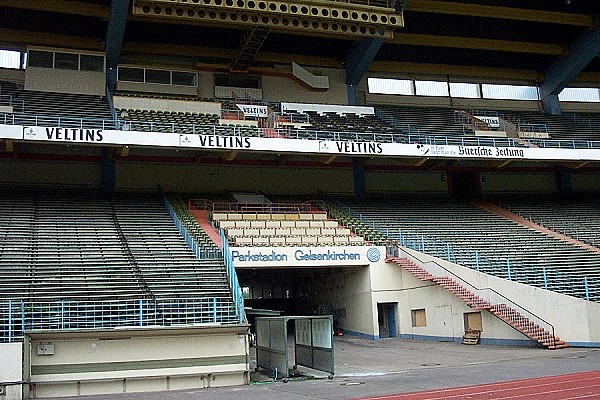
(18,316)
(404,134)
(571,284)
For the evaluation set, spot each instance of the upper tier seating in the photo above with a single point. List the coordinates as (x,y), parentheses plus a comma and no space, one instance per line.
(87,246)
(577,218)
(180,122)
(458,229)
(60,109)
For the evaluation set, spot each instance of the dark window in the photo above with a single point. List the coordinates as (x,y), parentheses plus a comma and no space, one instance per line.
(131,74)
(184,78)
(92,63)
(40,59)
(66,61)
(158,76)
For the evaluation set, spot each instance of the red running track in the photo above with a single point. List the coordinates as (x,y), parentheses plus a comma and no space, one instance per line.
(585,385)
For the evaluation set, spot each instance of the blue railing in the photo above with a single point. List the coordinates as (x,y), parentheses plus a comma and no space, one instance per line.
(578,286)
(232,278)
(411,136)
(18,316)
(202,253)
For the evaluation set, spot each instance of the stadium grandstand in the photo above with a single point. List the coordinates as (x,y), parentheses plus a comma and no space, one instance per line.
(172,169)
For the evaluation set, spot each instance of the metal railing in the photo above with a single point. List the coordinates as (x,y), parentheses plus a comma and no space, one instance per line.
(200,252)
(408,134)
(583,287)
(238,296)
(224,206)
(503,306)
(18,316)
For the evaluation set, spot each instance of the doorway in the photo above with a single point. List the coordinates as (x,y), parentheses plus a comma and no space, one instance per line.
(387,317)
(464,184)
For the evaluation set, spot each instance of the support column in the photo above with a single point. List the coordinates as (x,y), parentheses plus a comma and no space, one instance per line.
(358,171)
(108,175)
(563,181)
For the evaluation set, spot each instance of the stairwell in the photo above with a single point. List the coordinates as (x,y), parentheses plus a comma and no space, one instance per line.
(202,217)
(502,311)
(496,209)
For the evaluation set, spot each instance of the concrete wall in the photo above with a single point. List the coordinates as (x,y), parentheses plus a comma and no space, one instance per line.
(11,368)
(65,81)
(219,178)
(348,291)
(157,88)
(50,173)
(575,320)
(280,88)
(12,75)
(587,183)
(102,362)
(522,182)
(405,182)
(444,311)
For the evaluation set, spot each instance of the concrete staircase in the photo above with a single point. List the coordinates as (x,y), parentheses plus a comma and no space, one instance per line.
(481,299)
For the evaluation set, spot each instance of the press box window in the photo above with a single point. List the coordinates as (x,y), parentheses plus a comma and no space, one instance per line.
(418,318)
(44,59)
(91,63)
(158,76)
(184,78)
(66,61)
(131,74)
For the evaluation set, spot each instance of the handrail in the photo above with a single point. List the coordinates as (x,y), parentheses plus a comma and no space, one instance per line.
(412,136)
(490,295)
(503,267)
(232,280)
(25,316)
(225,206)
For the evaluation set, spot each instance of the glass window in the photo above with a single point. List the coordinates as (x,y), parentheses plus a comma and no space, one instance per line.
(92,63)
(10,59)
(509,92)
(390,86)
(158,76)
(464,90)
(431,88)
(131,74)
(66,61)
(591,95)
(184,78)
(44,59)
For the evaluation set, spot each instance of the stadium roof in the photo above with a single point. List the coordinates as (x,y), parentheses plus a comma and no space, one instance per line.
(499,40)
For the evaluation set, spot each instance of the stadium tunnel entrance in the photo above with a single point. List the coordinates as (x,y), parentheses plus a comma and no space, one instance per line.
(300,291)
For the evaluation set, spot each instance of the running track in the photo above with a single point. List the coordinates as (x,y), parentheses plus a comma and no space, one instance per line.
(584,385)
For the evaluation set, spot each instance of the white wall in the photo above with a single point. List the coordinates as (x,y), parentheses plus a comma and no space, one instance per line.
(277,88)
(157,88)
(444,311)
(11,368)
(138,360)
(65,81)
(575,320)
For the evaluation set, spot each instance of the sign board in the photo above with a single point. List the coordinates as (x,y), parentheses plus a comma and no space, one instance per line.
(250,257)
(251,110)
(92,136)
(492,122)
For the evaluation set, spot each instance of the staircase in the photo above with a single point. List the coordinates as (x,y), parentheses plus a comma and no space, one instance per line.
(483,299)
